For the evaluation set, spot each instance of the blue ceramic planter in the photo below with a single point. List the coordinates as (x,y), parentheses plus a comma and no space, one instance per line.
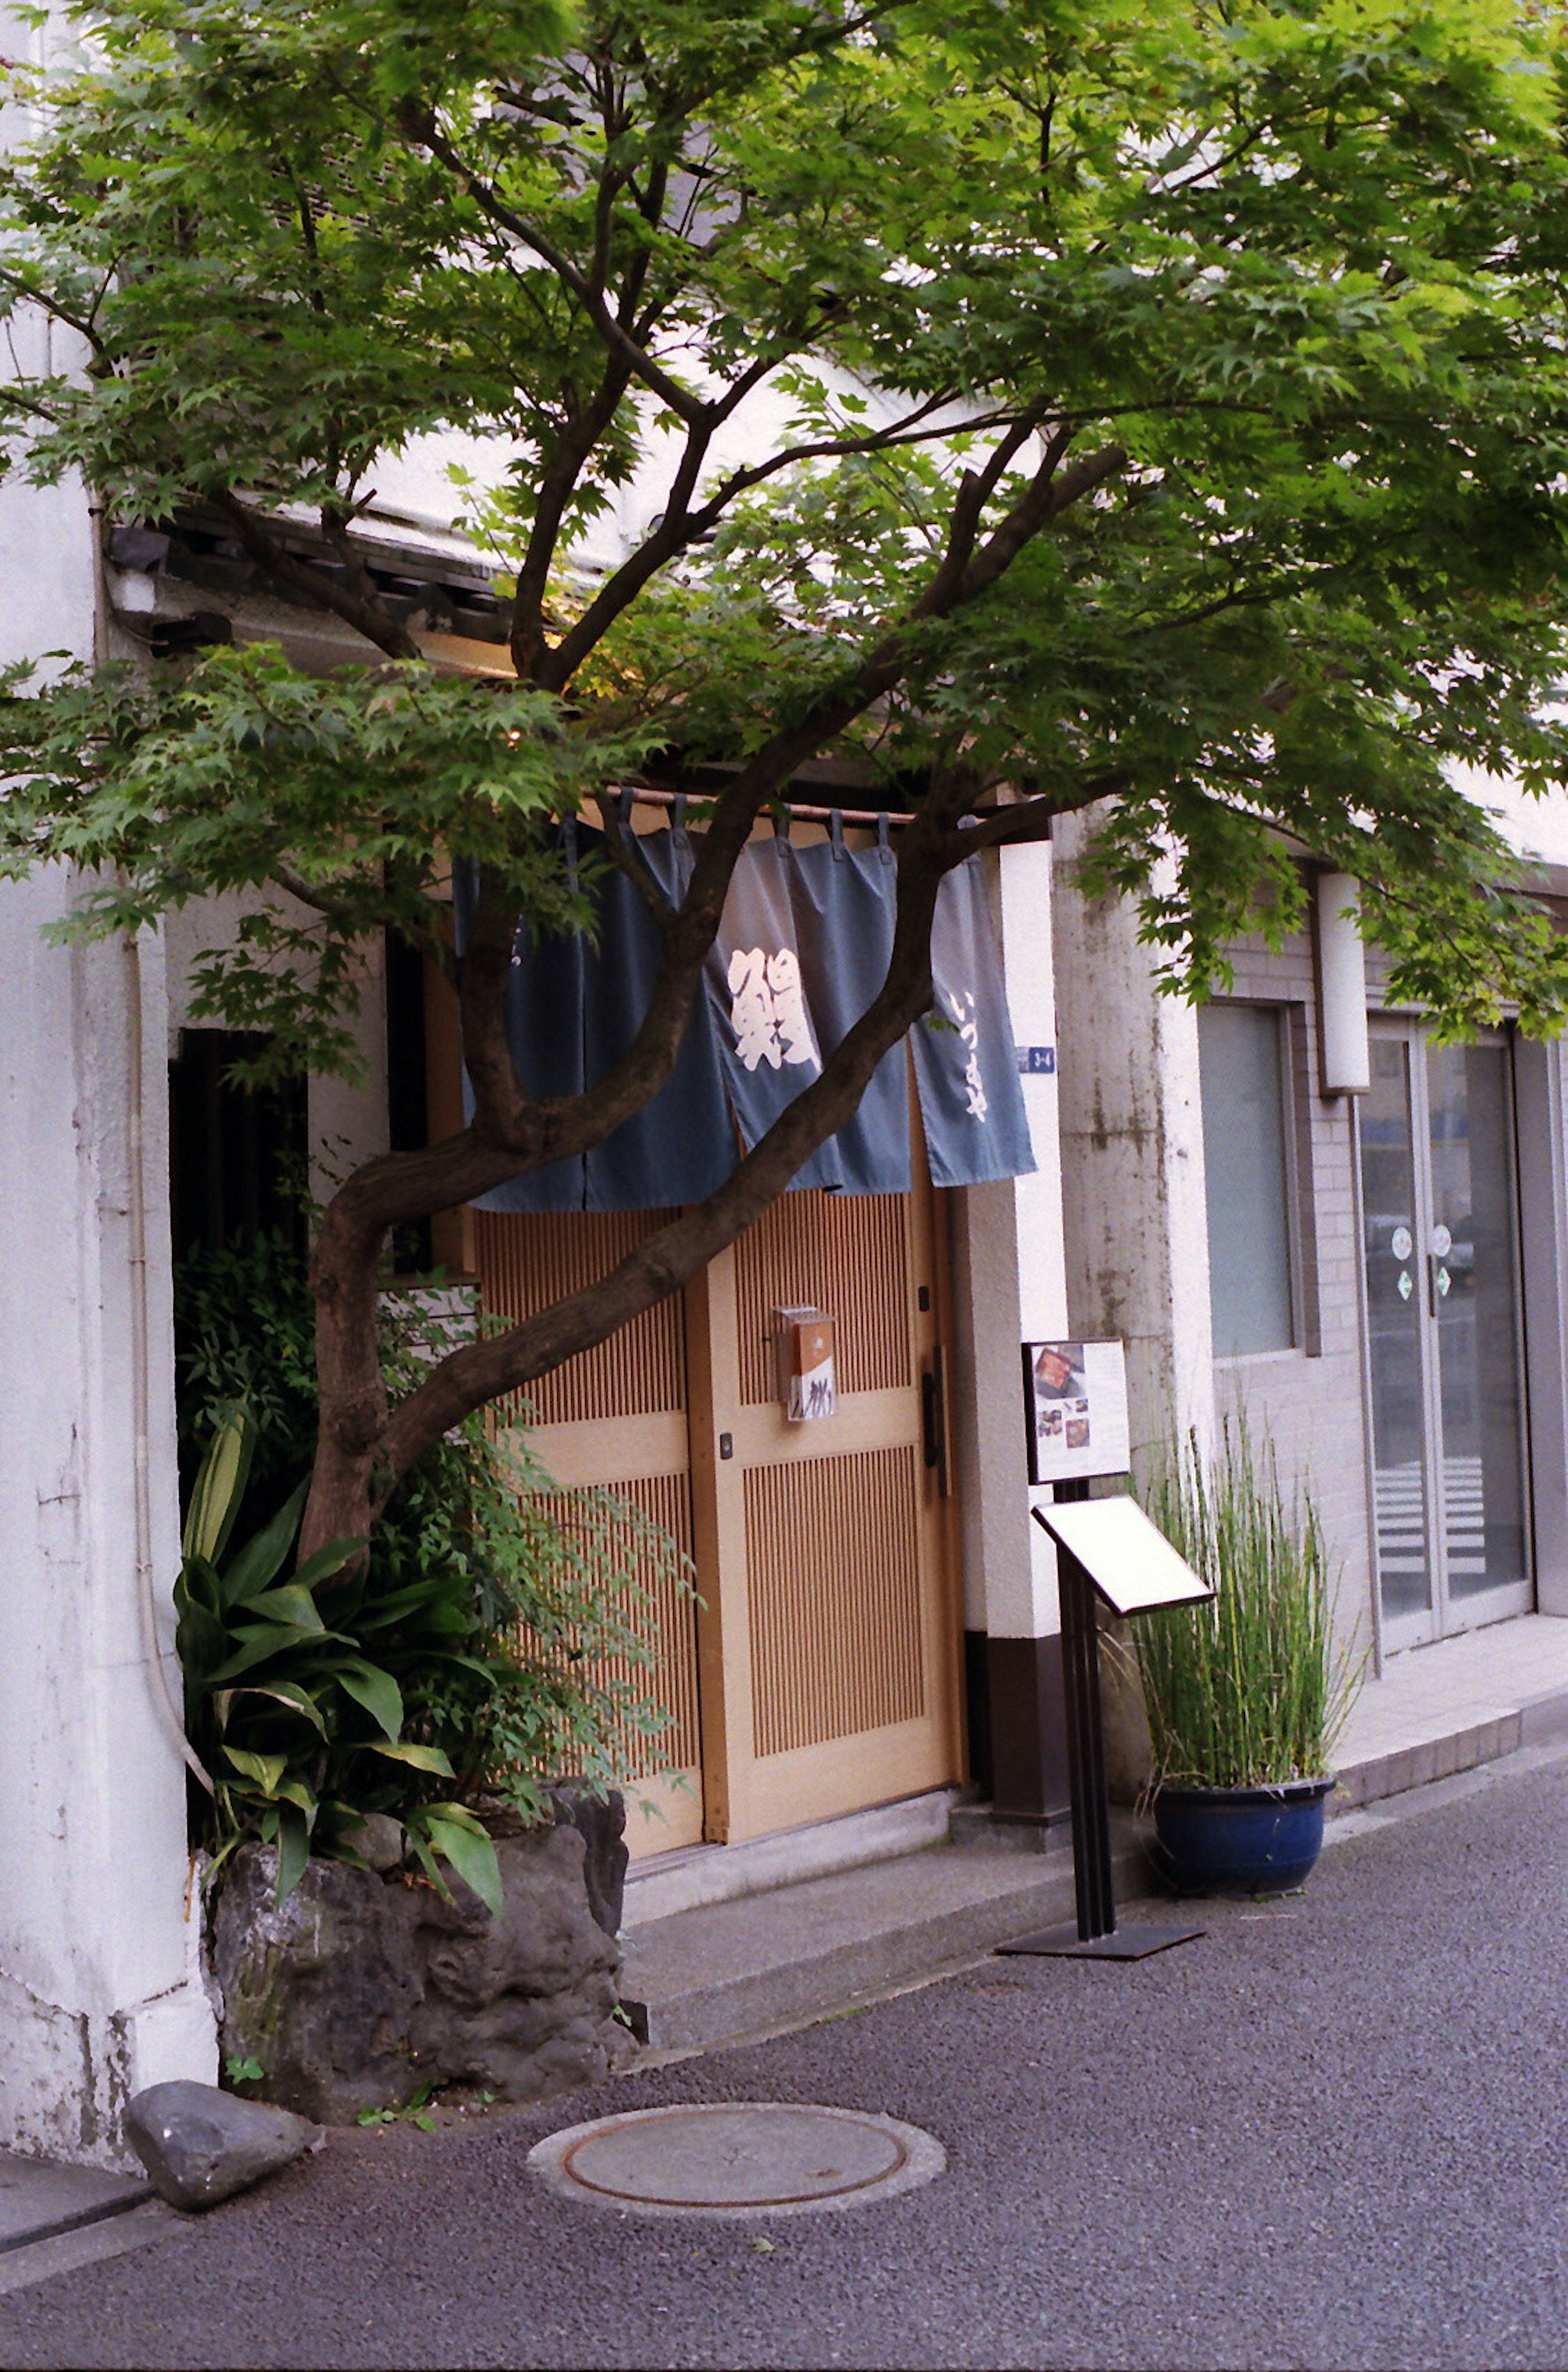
(1239,1839)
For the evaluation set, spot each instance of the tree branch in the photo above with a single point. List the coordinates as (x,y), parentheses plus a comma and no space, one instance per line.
(635,358)
(975,488)
(511,1132)
(323,902)
(367,616)
(681,527)
(1031,819)
(833,32)
(1048,495)
(624,849)
(532,656)
(81,323)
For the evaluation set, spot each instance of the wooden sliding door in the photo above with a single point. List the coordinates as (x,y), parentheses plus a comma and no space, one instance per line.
(819,1673)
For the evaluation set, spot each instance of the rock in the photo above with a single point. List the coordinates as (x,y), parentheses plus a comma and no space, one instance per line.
(523,2006)
(201,2145)
(361,1989)
(379,1839)
(601,1822)
(319,1989)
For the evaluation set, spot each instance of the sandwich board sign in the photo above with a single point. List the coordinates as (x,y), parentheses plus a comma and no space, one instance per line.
(1127,1558)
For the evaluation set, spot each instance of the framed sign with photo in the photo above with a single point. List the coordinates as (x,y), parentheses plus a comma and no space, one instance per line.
(1076,1405)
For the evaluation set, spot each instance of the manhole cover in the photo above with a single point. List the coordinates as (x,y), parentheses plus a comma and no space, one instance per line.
(713,2157)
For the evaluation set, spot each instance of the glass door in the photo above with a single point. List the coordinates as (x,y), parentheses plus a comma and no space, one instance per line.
(1441,1250)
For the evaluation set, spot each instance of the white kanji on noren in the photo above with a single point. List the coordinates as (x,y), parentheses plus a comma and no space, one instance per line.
(767,1009)
(963,1011)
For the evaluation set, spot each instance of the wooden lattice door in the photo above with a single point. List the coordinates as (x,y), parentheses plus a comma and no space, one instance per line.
(818,1672)
(616,1415)
(829,1639)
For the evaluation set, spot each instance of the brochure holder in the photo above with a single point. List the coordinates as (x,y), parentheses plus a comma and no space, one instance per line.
(1111,1549)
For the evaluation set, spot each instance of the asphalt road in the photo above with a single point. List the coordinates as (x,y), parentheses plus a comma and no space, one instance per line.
(1331,2134)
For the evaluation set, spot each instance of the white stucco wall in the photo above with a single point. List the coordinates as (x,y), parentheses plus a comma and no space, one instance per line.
(1009,1288)
(99,1990)
(99,1994)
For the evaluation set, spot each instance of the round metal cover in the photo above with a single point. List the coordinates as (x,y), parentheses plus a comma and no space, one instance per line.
(736,2158)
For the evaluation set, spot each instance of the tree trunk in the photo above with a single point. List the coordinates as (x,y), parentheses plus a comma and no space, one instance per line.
(349,1444)
(365,1449)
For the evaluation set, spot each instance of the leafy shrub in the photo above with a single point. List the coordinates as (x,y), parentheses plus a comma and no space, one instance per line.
(486,1642)
(245,1329)
(295,1720)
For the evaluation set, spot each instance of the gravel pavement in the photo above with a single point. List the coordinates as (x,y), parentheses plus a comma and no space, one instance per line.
(1331,2134)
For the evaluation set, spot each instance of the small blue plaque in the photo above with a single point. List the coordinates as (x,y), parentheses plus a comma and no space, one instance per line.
(1036,1059)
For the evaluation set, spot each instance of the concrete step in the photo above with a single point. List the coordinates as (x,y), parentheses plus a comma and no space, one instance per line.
(696,1875)
(808,1933)
(40,2201)
(733,1971)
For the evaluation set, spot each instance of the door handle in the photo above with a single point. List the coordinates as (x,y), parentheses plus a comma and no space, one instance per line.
(933,1418)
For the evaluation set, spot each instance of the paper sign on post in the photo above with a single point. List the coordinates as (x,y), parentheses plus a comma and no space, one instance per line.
(808,1385)
(1075,1396)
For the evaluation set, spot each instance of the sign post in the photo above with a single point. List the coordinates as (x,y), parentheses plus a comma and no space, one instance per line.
(1105,1548)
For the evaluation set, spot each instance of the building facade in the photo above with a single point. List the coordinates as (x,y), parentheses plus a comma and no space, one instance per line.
(877,1620)
(1353,1241)
(1371,1271)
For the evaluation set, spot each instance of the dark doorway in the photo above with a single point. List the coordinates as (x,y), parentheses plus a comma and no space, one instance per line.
(236,1155)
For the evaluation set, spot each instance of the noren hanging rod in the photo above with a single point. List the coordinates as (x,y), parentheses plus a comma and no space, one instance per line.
(869,817)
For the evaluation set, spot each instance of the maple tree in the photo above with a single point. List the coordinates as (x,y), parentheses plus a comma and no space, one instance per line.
(1157,409)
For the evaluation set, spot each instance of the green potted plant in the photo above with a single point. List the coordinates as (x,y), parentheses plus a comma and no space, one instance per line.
(1245,1692)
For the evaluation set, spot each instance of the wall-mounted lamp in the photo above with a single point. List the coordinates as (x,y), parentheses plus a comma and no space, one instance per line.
(1345,1051)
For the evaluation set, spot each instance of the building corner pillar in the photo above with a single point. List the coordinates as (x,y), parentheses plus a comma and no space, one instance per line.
(100,1983)
(1009,1287)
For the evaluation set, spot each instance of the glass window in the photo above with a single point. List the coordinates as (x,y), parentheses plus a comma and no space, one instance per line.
(1249,1177)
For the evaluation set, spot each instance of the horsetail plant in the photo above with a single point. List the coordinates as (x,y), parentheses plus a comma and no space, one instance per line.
(1248,1689)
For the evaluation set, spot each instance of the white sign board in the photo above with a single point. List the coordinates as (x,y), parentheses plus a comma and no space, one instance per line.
(1075,1396)
(1125,1555)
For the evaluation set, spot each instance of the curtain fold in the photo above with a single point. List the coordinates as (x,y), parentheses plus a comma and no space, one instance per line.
(802,949)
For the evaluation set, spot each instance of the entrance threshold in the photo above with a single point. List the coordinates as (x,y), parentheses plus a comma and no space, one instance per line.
(1460,1702)
(693,1876)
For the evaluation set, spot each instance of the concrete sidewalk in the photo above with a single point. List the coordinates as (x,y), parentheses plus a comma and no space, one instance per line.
(54,2219)
(1459,1702)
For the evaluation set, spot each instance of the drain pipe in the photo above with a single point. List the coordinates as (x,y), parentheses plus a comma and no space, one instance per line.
(141,1366)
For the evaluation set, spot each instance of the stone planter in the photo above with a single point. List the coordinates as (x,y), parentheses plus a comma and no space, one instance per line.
(362,1986)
